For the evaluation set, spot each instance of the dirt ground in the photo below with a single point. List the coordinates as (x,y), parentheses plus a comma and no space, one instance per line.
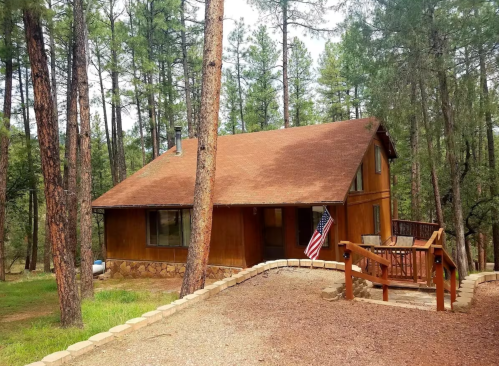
(280,319)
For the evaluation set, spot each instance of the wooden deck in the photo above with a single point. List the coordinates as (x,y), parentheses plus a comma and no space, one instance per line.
(388,265)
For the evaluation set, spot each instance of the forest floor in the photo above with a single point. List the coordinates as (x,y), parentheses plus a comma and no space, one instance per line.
(29,313)
(280,319)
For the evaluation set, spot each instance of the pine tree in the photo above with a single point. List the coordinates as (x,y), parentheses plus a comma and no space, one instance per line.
(332,84)
(262,109)
(300,84)
(236,53)
(199,248)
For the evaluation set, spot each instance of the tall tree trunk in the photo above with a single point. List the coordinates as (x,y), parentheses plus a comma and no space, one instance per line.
(53,66)
(48,138)
(199,248)
(285,87)
(104,111)
(70,160)
(139,112)
(152,117)
(29,228)
(171,117)
(486,110)
(4,135)
(188,103)
(87,286)
(415,199)
(34,250)
(46,249)
(33,182)
(438,50)
(119,152)
(429,143)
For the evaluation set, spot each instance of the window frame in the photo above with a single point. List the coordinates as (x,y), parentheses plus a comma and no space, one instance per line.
(328,236)
(182,234)
(377,220)
(377,159)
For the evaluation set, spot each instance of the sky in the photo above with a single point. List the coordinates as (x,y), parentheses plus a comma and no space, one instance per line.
(234,10)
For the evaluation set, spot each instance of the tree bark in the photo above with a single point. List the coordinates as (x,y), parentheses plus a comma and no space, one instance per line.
(449,126)
(46,249)
(48,138)
(53,66)
(137,96)
(415,199)
(429,142)
(485,109)
(70,158)
(34,249)
(197,258)
(119,153)
(5,131)
(104,111)
(188,103)
(285,62)
(87,286)
(29,228)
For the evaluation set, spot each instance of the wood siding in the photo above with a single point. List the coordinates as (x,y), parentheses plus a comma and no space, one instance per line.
(126,238)
(360,217)
(237,232)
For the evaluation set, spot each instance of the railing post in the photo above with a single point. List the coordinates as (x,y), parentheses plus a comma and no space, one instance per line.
(439,278)
(452,287)
(348,274)
(428,267)
(414,265)
(384,275)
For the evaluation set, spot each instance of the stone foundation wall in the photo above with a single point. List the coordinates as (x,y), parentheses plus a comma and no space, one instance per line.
(140,269)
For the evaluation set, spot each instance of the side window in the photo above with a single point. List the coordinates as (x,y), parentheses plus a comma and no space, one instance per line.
(377,219)
(169,228)
(358,182)
(377,158)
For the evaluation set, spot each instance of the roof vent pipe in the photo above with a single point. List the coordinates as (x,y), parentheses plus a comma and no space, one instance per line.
(178,139)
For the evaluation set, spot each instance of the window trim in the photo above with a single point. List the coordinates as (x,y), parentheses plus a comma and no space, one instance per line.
(148,245)
(329,246)
(377,153)
(377,208)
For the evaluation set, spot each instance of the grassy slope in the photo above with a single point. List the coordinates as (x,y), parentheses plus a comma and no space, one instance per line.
(24,340)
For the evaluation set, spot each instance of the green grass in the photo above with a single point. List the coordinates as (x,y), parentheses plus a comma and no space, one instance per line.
(27,340)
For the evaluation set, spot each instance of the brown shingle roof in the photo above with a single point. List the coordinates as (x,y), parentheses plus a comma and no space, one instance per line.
(311,164)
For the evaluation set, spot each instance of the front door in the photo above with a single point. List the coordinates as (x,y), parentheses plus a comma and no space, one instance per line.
(273,234)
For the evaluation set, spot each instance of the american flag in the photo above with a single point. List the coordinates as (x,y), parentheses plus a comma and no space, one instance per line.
(320,235)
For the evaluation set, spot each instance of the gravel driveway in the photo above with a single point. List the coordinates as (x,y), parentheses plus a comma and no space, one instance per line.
(280,319)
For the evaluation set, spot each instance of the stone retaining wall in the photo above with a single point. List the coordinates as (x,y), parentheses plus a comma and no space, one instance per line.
(141,269)
(466,292)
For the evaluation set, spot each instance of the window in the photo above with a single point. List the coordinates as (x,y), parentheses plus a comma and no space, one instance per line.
(308,220)
(169,228)
(357,184)
(377,219)
(377,158)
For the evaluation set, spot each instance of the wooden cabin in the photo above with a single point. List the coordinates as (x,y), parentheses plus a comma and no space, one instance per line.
(271,188)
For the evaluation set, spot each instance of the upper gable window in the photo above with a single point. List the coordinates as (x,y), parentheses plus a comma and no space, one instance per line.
(377,158)
(358,182)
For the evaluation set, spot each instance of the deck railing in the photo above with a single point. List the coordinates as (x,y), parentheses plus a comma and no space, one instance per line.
(419,264)
(348,250)
(419,230)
